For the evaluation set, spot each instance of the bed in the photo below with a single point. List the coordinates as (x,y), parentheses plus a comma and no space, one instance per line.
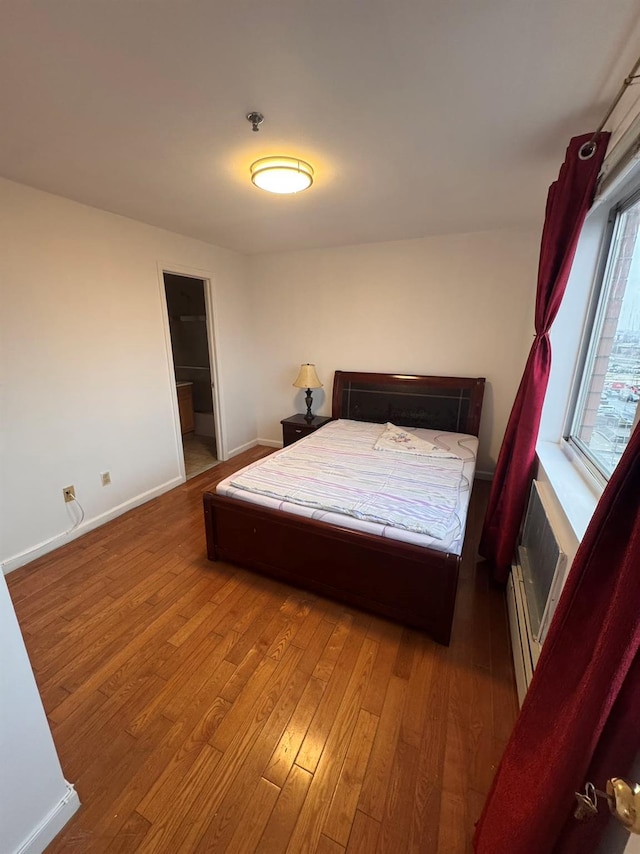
(407,577)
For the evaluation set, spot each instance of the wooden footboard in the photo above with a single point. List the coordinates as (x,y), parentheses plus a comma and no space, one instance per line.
(413,585)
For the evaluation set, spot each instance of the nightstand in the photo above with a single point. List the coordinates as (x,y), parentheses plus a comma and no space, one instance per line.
(297,426)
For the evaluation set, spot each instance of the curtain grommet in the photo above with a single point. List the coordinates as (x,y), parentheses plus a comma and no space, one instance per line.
(587,150)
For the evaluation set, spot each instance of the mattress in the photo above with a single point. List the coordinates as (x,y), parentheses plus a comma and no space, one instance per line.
(335,475)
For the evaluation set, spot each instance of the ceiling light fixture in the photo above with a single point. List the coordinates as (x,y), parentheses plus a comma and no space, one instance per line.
(279,174)
(282,174)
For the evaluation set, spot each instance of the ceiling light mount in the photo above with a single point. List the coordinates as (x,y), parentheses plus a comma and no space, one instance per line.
(256,120)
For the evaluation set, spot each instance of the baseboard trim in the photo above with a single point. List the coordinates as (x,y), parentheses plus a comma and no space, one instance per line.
(270,443)
(484,475)
(16,561)
(52,824)
(247,445)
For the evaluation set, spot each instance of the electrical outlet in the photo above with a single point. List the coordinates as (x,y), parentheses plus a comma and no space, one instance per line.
(69,493)
(105,477)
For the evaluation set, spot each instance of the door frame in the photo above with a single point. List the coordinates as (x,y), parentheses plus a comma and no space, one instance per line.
(212,337)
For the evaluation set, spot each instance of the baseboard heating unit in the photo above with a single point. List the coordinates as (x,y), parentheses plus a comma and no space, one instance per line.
(535,583)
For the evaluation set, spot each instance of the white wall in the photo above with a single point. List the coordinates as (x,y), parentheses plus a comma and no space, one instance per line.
(460,305)
(87,384)
(633,845)
(35,799)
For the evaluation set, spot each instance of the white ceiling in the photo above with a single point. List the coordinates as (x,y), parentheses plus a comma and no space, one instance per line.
(420,116)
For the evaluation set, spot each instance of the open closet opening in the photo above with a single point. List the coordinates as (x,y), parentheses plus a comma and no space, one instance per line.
(188,328)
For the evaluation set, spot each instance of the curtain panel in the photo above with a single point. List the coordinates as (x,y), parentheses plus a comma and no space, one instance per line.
(568,202)
(580,719)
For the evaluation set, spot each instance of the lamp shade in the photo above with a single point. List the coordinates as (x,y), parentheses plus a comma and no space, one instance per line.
(282,174)
(307,377)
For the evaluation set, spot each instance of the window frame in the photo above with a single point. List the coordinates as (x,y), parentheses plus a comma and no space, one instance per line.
(592,328)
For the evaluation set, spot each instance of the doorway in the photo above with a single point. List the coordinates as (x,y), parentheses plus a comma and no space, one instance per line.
(192,364)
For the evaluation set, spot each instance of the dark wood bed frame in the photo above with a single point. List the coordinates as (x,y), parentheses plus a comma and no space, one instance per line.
(413,585)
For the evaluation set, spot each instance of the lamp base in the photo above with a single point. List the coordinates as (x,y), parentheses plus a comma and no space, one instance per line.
(308,400)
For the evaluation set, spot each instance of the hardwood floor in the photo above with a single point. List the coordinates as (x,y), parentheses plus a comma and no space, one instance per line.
(200,708)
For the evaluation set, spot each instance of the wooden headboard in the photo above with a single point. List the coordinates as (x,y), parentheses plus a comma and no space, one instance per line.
(453,404)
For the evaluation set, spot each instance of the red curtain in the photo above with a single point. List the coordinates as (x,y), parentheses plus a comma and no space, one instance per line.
(581,717)
(569,199)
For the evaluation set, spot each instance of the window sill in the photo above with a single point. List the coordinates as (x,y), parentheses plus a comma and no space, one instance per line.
(577,493)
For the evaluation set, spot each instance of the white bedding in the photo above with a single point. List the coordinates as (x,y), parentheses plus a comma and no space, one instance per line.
(336,475)
(400,441)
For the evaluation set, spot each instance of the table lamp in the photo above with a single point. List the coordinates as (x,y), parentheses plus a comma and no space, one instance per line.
(307,379)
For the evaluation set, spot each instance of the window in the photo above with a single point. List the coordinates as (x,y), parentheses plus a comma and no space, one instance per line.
(608,393)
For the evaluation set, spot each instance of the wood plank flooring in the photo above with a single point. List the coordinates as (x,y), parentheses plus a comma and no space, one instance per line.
(200,708)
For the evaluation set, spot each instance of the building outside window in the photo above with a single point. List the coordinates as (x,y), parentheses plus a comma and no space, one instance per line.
(608,393)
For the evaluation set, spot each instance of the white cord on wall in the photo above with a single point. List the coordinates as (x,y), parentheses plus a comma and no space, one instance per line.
(78,523)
